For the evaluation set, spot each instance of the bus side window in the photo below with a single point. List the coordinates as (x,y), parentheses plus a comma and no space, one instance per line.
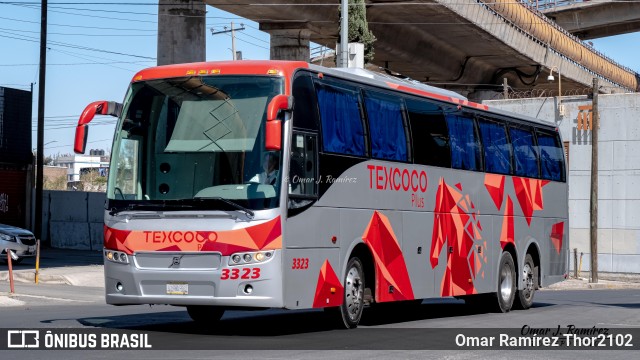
(342,124)
(302,178)
(465,145)
(551,157)
(496,147)
(305,112)
(526,161)
(386,127)
(429,133)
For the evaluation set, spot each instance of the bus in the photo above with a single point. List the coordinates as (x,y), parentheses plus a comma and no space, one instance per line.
(281,184)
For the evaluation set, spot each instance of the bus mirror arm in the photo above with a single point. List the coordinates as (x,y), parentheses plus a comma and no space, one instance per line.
(273,130)
(82,130)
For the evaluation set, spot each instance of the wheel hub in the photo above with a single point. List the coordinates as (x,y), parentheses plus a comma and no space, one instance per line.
(354,293)
(506,283)
(527,277)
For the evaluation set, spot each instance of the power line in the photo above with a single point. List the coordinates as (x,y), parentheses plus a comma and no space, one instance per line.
(76,26)
(73,46)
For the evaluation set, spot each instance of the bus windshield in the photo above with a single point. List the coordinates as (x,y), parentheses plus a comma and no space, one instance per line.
(196,140)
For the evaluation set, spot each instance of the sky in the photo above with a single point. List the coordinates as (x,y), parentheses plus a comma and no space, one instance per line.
(94,51)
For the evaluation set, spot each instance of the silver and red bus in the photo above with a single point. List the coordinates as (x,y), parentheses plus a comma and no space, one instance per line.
(273,184)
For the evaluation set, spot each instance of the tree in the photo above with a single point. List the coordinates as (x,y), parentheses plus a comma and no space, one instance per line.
(359,28)
(55,183)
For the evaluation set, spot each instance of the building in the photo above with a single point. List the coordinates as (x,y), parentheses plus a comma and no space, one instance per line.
(77,165)
(16,159)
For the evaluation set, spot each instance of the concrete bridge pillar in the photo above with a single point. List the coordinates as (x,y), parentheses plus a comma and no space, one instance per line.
(289,40)
(181,31)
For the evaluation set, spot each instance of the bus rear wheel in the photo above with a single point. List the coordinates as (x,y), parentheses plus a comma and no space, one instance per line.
(353,301)
(204,315)
(529,278)
(506,283)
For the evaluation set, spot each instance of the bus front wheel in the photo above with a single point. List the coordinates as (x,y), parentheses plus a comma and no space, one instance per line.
(204,315)
(506,283)
(353,301)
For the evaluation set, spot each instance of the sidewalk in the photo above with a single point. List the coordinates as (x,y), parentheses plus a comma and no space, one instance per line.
(60,266)
(84,268)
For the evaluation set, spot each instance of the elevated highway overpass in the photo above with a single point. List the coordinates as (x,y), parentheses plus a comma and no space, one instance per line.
(593,19)
(465,45)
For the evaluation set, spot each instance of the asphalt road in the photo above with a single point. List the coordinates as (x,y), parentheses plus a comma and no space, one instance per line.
(382,333)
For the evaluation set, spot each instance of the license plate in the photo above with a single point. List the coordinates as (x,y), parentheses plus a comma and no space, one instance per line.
(32,249)
(177,289)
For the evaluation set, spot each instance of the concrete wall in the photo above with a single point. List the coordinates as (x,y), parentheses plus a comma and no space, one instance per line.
(618,178)
(73,219)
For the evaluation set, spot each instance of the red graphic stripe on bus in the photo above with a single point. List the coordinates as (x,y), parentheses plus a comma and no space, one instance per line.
(507,235)
(265,236)
(557,233)
(495,187)
(329,290)
(529,194)
(458,234)
(392,277)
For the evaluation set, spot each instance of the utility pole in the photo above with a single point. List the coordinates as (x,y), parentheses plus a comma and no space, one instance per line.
(233,42)
(344,35)
(505,89)
(233,37)
(41,93)
(594,183)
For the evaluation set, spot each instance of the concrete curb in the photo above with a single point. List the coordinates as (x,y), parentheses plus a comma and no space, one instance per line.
(29,277)
(584,284)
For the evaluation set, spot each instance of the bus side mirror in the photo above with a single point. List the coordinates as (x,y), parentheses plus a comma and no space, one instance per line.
(82,130)
(273,130)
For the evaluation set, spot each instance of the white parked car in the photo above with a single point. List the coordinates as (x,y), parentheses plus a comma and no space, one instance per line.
(21,241)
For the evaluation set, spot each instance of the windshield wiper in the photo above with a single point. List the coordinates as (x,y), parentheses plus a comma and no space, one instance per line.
(237,206)
(164,207)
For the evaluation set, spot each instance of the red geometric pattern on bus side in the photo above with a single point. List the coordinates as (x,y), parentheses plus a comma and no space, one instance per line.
(557,233)
(265,236)
(507,235)
(391,269)
(529,194)
(495,187)
(329,290)
(458,234)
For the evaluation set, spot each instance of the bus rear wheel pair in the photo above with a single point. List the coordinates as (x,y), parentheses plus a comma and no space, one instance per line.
(507,295)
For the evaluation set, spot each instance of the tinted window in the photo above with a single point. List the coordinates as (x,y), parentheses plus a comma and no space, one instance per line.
(305,111)
(526,161)
(551,161)
(429,133)
(465,147)
(342,130)
(496,147)
(386,126)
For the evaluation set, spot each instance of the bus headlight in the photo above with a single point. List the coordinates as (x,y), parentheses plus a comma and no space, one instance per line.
(116,256)
(250,257)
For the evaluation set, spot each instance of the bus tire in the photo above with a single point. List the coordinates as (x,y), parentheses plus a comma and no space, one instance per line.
(506,283)
(529,278)
(353,301)
(204,314)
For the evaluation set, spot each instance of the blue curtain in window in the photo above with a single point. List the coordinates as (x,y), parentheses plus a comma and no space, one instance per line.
(386,126)
(342,130)
(465,150)
(550,158)
(524,153)
(497,151)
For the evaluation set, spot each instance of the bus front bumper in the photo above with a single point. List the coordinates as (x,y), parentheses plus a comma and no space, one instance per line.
(257,285)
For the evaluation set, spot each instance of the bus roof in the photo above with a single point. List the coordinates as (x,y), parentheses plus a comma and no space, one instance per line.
(287,69)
